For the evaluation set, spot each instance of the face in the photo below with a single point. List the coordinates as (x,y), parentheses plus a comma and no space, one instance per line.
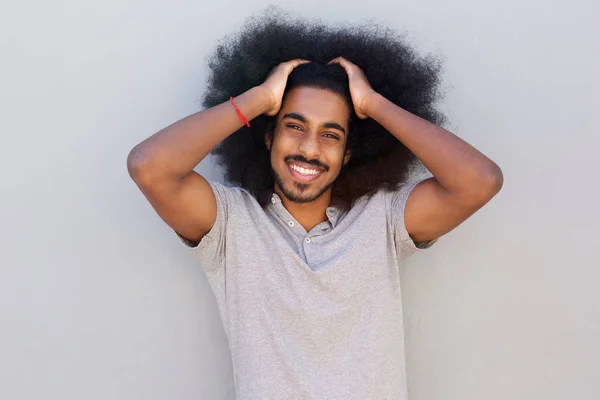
(308,147)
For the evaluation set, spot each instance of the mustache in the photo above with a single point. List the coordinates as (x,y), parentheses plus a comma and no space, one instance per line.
(301,159)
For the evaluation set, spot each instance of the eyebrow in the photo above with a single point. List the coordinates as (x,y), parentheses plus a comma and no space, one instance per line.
(300,117)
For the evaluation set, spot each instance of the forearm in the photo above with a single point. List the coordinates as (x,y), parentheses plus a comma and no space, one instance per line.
(174,151)
(457,166)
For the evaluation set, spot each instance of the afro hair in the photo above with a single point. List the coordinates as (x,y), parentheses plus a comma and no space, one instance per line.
(392,66)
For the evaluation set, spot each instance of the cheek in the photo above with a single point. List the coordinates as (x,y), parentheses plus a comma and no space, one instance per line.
(336,158)
(283,146)
(278,151)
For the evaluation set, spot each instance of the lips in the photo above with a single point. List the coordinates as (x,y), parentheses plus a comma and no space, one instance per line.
(304,172)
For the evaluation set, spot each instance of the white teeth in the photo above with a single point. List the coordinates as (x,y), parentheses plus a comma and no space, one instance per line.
(305,171)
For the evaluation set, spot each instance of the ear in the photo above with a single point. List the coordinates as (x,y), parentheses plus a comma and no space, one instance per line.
(347,156)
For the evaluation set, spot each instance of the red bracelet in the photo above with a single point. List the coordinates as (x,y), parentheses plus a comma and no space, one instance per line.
(244,120)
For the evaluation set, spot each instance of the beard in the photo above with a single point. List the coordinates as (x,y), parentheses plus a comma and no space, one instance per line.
(299,195)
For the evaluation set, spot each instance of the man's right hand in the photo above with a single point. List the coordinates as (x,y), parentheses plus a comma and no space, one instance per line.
(277,81)
(162,165)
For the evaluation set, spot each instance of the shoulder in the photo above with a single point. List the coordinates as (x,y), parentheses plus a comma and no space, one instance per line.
(388,202)
(227,191)
(388,198)
(233,198)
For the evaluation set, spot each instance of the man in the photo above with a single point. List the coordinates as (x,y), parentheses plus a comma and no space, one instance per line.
(303,257)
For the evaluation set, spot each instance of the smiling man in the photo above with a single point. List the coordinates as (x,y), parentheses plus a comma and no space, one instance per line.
(303,250)
(309,150)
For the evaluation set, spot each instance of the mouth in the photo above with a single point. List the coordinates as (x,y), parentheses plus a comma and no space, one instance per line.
(304,172)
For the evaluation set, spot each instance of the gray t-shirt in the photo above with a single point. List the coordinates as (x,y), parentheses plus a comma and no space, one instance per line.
(314,315)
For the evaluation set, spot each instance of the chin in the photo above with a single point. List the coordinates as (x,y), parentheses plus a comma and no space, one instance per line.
(300,192)
(301,189)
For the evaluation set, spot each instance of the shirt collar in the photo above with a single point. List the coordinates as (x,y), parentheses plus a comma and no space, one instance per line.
(336,208)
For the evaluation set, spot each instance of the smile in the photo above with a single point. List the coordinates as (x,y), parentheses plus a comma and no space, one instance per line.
(303,173)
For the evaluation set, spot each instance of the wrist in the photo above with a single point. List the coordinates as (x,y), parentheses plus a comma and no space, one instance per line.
(371,103)
(253,102)
(264,98)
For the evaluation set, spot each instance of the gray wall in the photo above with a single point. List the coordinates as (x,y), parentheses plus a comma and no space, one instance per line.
(98,300)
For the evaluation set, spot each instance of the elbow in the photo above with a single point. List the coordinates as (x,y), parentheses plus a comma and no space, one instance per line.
(148,167)
(495,179)
(485,184)
(139,166)
(490,183)
(134,163)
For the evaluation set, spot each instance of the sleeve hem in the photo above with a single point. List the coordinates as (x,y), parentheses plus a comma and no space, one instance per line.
(213,233)
(403,198)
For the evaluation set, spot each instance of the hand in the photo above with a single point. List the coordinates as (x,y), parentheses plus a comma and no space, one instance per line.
(276,82)
(360,88)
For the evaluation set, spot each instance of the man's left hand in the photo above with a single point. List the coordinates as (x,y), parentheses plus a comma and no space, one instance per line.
(360,88)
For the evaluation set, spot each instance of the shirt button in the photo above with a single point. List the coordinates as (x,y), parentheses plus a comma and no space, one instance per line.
(307,240)
(273,200)
(291,224)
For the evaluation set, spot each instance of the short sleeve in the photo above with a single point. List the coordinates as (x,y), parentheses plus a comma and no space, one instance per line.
(211,249)
(405,246)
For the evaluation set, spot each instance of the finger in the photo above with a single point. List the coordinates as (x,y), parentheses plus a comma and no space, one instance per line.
(298,61)
(337,60)
(347,65)
(290,65)
(341,61)
(348,68)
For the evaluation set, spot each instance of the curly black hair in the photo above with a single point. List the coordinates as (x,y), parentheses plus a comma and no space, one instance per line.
(392,66)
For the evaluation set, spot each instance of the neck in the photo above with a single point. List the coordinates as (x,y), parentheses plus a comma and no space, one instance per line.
(307,214)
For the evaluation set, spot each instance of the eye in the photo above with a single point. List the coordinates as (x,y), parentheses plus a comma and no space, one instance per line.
(293,126)
(331,136)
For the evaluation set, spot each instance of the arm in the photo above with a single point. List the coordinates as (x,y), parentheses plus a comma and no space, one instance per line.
(464,180)
(162,165)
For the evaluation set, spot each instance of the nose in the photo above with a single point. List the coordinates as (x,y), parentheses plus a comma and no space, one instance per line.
(310,146)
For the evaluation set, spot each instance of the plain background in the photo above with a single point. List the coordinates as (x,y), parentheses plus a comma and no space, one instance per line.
(99,300)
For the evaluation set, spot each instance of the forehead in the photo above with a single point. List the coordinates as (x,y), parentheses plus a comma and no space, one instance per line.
(316,105)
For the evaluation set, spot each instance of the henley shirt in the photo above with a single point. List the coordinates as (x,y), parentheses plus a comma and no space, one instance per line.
(311,315)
